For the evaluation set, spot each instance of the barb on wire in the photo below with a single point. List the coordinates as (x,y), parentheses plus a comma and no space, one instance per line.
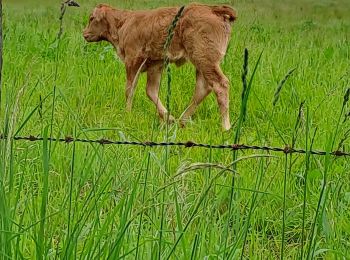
(189,144)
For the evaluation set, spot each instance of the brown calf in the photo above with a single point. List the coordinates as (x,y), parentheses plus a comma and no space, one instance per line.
(201,36)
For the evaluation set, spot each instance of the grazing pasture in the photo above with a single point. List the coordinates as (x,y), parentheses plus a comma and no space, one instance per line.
(83,200)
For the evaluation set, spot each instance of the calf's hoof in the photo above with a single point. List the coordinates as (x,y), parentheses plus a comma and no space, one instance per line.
(168,119)
(128,108)
(226,125)
(183,122)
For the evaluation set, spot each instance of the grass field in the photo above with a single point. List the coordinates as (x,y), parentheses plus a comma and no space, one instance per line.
(89,201)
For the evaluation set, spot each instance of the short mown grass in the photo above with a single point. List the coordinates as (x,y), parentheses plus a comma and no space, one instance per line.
(90,201)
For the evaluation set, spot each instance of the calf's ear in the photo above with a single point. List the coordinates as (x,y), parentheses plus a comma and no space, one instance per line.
(99,13)
(114,23)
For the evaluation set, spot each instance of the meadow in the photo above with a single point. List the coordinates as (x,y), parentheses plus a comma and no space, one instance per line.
(91,201)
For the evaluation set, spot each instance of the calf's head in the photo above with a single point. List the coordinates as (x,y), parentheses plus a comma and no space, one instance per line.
(98,27)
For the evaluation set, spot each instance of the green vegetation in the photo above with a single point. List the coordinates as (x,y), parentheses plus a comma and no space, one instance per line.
(90,201)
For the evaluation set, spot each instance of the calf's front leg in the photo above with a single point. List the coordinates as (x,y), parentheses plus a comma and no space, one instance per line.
(133,70)
(152,89)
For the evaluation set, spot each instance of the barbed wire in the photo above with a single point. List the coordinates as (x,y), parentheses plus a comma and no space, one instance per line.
(189,144)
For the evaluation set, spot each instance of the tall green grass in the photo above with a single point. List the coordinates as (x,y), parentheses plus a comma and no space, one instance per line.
(81,201)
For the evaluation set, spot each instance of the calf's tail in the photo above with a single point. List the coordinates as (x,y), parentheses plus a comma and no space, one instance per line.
(225,11)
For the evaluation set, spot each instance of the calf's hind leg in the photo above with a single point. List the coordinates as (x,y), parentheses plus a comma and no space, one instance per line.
(202,90)
(220,85)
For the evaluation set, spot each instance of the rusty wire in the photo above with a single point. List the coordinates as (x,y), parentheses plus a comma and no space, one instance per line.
(189,144)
